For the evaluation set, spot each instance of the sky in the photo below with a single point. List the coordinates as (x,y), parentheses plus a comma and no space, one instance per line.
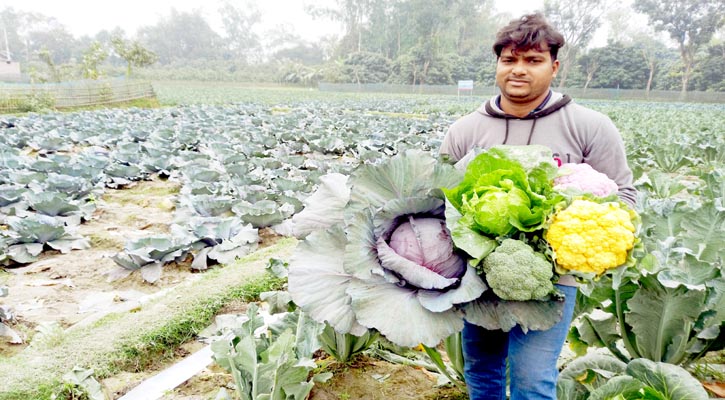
(87,17)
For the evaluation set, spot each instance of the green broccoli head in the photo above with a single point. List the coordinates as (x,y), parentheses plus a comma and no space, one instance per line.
(516,272)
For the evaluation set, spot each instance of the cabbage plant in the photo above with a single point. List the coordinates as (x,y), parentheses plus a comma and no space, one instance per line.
(28,237)
(220,240)
(597,376)
(7,315)
(60,206)
(149,255)
(390,265)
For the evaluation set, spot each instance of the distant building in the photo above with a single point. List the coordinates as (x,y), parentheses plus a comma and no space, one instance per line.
(9,69)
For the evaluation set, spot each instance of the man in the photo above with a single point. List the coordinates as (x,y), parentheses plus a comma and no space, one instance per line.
(528,112)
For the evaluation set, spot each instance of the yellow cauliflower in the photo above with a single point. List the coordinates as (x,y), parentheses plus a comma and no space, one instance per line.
(591,237)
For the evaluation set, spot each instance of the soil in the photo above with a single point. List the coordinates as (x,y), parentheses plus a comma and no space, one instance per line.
(62,292)
(365,379)
(73,289)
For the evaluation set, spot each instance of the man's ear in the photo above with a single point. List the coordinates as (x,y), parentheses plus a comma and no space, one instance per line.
(555,68)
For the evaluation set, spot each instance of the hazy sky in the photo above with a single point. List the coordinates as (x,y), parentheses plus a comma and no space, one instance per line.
(87,17)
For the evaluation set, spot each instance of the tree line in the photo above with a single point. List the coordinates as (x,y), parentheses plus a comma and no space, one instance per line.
(681,46)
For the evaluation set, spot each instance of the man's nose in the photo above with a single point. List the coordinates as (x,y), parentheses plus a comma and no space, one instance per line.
(518,69)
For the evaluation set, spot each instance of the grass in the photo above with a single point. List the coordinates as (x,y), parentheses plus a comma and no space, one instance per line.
(142,192)
(137,103)
(704,369)
(400,115)
(158,346)
(140,340)
(103,242)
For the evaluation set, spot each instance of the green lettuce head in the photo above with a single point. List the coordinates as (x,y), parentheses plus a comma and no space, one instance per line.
(505,190)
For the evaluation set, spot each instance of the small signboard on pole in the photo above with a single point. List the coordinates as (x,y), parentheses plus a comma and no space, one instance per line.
(465,86)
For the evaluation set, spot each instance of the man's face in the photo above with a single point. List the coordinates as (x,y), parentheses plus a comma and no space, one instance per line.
(525,76)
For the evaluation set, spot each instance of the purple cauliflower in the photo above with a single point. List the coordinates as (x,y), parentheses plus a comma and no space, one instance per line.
(584,178)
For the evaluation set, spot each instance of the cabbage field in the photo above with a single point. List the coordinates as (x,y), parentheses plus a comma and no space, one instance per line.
(116,224)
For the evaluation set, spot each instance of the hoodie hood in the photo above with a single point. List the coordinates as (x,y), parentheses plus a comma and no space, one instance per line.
(556,102)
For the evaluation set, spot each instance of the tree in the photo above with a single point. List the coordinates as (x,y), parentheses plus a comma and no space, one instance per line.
(577,20)
(241,41)
(181,36)
(365,67)
(92,58)
(281,44)
(106,36)
(615,66)
(626,28)
(690,23)
(428,38)
(55,38)
(473,28)
(354,15)
(299,74)
(651,52)
(133,52)
(55,74)
(19,25)
(301,52)
(590,63)
(709,74)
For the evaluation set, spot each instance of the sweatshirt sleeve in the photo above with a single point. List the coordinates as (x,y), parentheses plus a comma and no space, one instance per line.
(607,155)
(449,152)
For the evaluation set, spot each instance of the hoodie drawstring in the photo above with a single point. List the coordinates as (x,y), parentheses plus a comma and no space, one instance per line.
(531,132)
(506,137)
(492,112)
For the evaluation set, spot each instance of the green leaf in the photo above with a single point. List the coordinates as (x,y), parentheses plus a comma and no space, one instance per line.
(569,389)
(493,313)
(52,203)
(36,228)
(476,245)
(411,323)
(279,368)
(411,174)
(704,234)
(688,271)
(344,346)
(589,372)
(619,387)
(298,391)
(318,263)
(497,197)
(671,381)
(454,352)
(662,318)
(600,332)
(84,379)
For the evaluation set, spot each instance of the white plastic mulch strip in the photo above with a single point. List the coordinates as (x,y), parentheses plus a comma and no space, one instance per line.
(166,380)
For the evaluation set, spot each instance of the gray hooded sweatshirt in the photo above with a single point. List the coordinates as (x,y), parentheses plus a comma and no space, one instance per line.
(574,133)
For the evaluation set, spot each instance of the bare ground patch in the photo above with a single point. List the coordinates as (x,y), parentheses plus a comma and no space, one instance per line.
(65,289)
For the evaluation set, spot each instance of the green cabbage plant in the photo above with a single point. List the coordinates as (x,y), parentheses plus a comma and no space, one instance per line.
(271,361)
(29,236)
(603,377)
